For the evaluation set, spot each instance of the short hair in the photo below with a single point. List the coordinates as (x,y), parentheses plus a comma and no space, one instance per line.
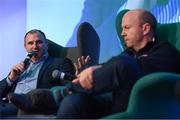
(148,17)
(35,31)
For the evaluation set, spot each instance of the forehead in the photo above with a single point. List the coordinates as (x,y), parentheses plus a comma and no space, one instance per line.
(131,17)
(34,36)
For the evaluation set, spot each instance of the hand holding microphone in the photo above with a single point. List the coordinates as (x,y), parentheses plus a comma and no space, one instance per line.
(28,58)
(19,68)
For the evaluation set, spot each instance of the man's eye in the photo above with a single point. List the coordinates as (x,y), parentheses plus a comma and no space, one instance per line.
(30,43)
(126,27)
(39,42)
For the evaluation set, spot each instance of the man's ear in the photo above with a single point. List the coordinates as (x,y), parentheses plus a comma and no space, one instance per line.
(146,28)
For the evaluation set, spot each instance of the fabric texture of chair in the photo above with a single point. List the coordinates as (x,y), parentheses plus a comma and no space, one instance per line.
(155,95)
(88,43)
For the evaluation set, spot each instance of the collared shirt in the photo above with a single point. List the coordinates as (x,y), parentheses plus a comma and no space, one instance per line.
(28,79)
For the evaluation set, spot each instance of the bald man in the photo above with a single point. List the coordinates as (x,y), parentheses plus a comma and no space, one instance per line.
(144,54)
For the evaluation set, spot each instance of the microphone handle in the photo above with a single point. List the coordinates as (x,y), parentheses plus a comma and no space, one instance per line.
(67,76)
(26,62)
(28,58)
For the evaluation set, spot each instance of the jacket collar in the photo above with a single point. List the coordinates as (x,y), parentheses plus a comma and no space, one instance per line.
(143,51)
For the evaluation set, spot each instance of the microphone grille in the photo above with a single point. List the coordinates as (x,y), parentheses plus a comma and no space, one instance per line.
(32,53)
(55,74)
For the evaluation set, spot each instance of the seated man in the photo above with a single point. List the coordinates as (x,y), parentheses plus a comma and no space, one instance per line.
(144,54)
(34,72)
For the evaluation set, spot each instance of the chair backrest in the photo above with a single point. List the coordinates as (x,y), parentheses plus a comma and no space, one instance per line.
(118,26)
(170,32)
(88,43)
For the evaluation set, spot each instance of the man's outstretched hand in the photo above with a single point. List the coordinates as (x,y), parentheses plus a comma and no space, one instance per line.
(81,64)
(85,78)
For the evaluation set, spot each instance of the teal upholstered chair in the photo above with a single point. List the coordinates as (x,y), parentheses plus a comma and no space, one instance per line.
(155,95)
(88,43)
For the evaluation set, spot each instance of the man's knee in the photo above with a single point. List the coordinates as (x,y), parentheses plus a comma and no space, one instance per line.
(69,106)
(8,110)
(71,100)
(76,106)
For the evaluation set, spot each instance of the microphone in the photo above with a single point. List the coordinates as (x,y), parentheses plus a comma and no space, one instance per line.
(56,74)
(26,62)
(28,58)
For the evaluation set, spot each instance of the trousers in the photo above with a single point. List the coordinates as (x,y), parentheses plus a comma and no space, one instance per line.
(8,110)
(117,77)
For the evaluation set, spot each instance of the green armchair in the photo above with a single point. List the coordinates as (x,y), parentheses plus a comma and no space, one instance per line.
(88,43)
(155,95)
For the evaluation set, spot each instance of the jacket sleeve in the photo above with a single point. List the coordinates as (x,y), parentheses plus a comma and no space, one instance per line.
(4,89)
(164,58)
(67,66)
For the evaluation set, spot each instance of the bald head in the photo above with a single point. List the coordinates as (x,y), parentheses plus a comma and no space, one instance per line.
(143,16)
(138,28)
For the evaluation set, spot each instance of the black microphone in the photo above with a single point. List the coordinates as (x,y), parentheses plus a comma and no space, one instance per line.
(28,58)
(56,74)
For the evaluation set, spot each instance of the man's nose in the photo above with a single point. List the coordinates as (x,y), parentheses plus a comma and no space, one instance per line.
(34,45)
(122,33)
